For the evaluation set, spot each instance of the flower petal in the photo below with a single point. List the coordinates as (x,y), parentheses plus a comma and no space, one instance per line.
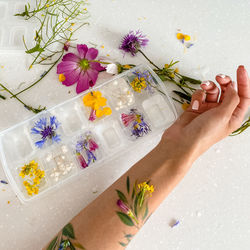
(92,74)
(82,50)
(66,66)
(91,54)
(83,82)
(71,77)
(97,66)
(71,57)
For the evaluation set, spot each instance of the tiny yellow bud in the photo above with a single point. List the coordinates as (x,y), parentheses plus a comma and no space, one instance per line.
(166,66)
(47,5)
(179,36)
(176,70)
(62,78)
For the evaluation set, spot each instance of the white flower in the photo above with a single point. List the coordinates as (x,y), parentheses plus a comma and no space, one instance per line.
(112,69)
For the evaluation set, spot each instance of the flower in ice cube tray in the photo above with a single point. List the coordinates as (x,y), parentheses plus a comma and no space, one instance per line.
(81,68)
(136,120)
(142,81)
(32,176)
(133,42)
(87,146)
(47,130)
(97,103)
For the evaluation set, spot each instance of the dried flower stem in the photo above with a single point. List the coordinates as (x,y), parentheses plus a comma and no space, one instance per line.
(149,59)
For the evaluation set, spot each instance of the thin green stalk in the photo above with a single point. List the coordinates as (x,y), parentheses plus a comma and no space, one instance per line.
(149,59)
(14,95)
(34,110)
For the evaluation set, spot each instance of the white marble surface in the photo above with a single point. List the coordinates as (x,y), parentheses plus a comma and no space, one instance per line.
(213,201)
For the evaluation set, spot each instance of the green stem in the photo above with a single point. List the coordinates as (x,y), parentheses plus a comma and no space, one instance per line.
(149,60)
(34,110)
(52,66)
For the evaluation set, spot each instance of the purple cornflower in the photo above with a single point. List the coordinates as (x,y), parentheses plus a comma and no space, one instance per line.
(133,42)
(47,130)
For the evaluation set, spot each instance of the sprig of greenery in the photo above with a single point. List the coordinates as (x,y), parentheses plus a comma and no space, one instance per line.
(34,110)
(57,24)
(243,127)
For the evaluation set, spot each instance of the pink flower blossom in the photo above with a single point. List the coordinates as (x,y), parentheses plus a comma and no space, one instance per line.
(92,145)
(80,68)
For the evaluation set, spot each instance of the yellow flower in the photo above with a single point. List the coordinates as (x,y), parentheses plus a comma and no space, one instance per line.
(166,66)
(187,37)
(94,100)
(138,84)
(102,112)
(172,75)
(185,105)
(62,77)
(145,187)
(126,66)
(179,36)
(176,70)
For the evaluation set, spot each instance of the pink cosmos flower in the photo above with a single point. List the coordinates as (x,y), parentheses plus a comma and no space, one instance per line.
(80,68)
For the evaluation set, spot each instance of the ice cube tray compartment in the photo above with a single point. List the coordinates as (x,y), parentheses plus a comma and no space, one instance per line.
(59,160)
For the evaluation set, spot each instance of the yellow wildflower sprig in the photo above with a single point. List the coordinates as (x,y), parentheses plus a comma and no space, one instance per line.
(33,176)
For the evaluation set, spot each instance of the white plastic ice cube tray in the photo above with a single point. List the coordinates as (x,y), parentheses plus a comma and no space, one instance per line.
(17,144)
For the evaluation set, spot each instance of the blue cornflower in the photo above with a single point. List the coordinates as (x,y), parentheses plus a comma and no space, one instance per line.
(133,42)
(47,130)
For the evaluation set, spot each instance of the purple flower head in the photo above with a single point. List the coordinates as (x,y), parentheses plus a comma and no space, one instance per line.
(47,130)
(80,68)
(133,41)
(122,206)
(141,128)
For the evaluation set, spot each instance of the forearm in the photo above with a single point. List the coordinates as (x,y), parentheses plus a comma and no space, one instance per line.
(99,227)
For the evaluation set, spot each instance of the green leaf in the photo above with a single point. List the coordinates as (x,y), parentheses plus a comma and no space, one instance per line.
(191,80)
(125,219)
(52,244)
(129,236)
(68,231)
(146,212)
(135,205)
(182,95)
(78,245)
(134,189)
(71,246)
(123,244)
(2,97)
(128,184)
(37,48)
(122,196)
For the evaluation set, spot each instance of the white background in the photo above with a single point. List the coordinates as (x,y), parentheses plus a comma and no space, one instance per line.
(212,203)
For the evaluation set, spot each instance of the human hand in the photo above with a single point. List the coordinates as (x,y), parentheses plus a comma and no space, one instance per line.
(206,122)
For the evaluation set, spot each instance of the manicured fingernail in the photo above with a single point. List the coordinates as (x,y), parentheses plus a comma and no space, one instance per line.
(207,83)
(195,105)
(222,75)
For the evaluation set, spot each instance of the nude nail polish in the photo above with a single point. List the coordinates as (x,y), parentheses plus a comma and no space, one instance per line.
(206,83)
(221,75)
(195,105)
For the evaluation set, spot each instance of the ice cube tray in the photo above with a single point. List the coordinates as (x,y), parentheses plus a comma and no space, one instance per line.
(75,153)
